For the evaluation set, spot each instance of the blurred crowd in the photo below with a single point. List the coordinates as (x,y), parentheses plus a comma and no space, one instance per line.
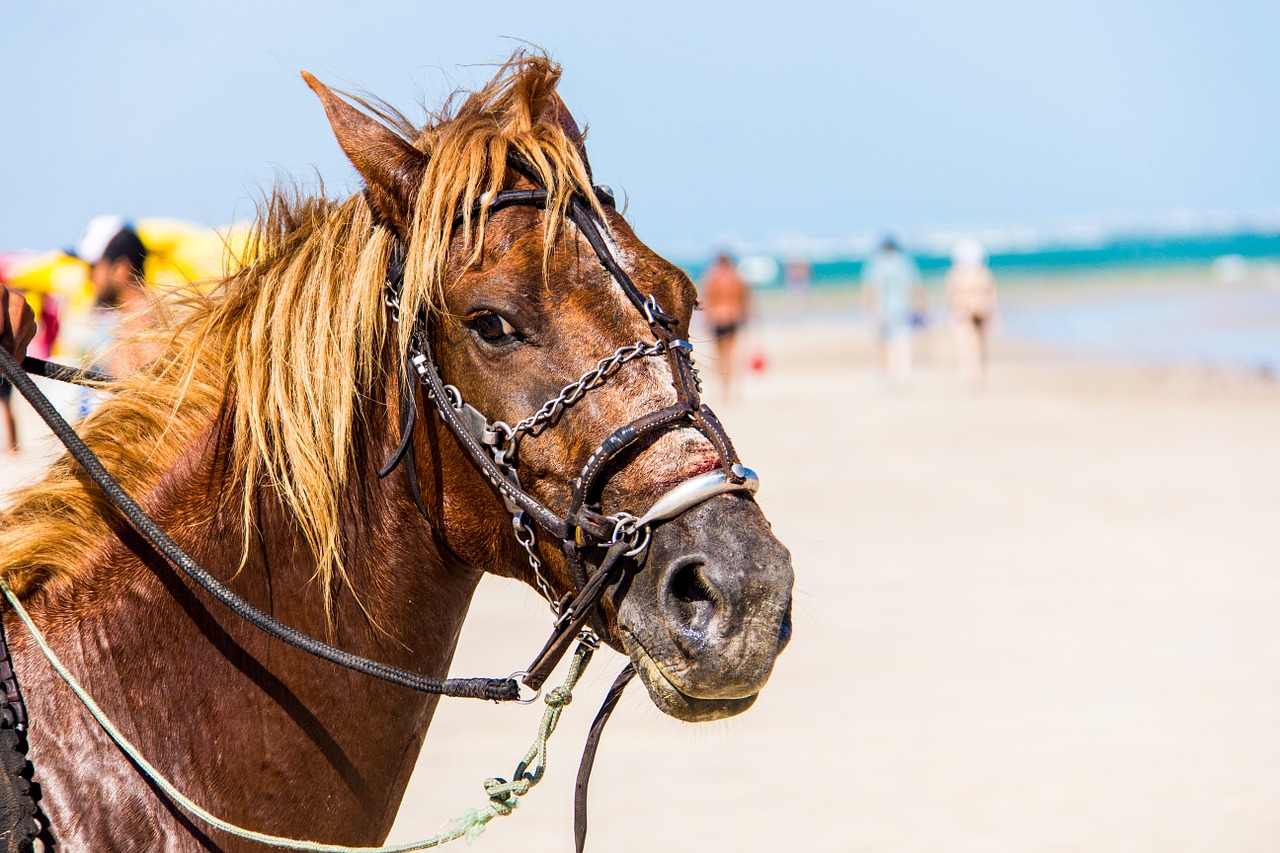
(894,304)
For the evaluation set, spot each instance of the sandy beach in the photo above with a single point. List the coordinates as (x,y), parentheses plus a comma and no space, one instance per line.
(1039,618)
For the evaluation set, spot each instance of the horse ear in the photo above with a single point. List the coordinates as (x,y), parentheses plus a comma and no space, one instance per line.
(556,113)
(392,168)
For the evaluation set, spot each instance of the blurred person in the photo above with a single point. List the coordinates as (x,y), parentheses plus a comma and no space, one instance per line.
(971,302)
(726,298)
(798,274)
(40,345)
(121,306)
(45,309)
(116,257)
(893,298)
(17,328)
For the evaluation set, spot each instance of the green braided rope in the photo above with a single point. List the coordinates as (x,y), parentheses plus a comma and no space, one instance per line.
(503,795)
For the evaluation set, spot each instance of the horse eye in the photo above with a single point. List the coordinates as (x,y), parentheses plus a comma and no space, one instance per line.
(494,328)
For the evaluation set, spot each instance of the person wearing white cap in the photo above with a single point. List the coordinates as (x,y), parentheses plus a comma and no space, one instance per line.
(971,301)
(96,235)
(116,257)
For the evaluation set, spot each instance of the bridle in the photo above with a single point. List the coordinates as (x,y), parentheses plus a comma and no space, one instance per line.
(492,446)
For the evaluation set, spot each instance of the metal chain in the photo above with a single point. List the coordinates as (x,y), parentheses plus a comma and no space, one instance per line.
(392,300)
(589,381)
(528,539)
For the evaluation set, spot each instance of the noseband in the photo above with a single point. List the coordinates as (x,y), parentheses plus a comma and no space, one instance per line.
(492,446)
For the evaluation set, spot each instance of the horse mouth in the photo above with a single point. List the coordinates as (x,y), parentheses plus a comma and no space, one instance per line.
(669,698)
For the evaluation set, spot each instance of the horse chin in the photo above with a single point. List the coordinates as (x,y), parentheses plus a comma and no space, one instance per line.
(673,701)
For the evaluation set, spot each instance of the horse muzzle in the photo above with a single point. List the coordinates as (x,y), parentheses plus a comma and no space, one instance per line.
(710,611)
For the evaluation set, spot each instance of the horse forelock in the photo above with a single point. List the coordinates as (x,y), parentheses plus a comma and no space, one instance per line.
(518,112)
(292,344)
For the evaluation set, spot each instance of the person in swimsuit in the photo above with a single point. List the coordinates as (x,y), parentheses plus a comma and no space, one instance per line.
(971,301)
(726,298)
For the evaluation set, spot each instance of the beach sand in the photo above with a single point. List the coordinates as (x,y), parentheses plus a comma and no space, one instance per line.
(1039,618)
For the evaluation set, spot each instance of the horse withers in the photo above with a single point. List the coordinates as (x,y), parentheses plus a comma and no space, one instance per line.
(255,436)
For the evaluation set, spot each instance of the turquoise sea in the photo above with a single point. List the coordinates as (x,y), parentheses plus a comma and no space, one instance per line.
(1120,254)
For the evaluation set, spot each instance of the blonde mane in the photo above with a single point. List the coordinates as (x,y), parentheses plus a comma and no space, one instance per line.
(289,345)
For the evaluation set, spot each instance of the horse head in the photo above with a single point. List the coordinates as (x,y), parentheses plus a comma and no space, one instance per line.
(557,354)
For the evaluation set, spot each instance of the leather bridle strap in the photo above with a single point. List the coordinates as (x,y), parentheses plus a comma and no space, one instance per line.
(583,217)
(589,755)
(574,616)
(686,382)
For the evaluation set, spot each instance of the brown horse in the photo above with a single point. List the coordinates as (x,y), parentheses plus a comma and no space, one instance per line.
(254,435)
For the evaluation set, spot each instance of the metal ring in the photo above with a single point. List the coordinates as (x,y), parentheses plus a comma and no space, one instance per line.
(519,678)
(639,549)
(624,525)
(454,395)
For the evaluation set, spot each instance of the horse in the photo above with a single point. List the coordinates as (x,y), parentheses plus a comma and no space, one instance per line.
(274,432)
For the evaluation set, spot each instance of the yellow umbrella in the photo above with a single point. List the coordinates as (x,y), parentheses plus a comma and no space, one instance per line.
(45,273)
(179,252)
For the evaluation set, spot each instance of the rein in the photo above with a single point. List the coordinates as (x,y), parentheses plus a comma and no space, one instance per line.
(492,447)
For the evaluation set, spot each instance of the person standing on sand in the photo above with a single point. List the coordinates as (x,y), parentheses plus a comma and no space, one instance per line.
(17,323)
(10,422)
(17,328)
(971,301)
(726,298)
(891,293)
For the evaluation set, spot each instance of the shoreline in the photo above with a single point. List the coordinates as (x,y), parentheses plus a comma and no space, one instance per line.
(1182,324)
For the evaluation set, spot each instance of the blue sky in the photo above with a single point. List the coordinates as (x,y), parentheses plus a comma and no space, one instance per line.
(722,122)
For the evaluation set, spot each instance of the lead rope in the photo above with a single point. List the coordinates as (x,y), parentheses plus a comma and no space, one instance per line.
(503,795)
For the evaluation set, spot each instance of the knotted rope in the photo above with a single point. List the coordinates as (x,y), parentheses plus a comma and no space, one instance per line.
(504,796)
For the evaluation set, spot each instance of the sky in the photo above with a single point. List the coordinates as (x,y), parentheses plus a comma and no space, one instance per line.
(724,124)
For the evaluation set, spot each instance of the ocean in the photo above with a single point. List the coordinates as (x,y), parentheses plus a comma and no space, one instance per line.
(1122,253)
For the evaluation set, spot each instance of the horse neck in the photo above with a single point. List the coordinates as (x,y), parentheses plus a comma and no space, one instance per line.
(352,738)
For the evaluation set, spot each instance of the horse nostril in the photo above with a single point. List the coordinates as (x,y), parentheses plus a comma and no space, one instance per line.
(688,586)
(693,596)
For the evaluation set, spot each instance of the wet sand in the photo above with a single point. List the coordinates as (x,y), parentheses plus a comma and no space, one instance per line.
(1040,618)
